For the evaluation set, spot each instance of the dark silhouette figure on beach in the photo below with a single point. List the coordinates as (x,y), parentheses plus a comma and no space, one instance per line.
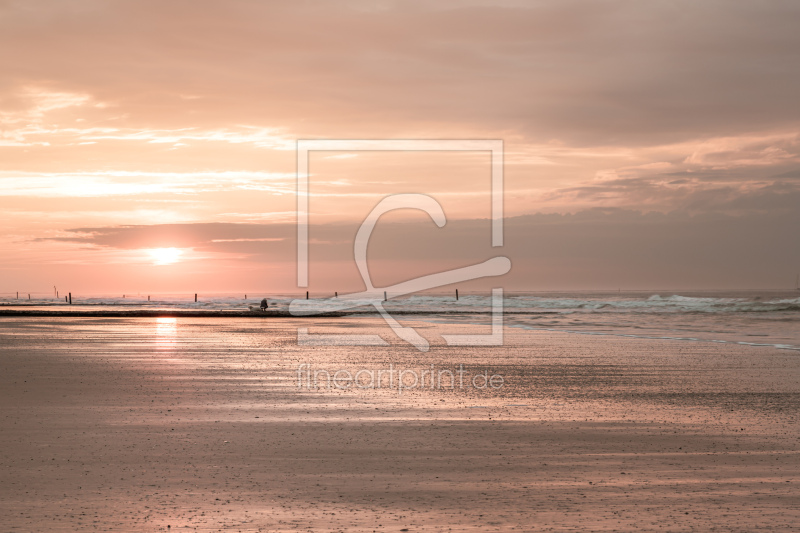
(264,304)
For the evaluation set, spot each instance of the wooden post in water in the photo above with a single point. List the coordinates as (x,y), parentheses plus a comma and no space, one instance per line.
(456,294)
(384,296)
(29,296)
(335,294)
(148,297)
(65,299)
(195,297)
(306,295)
(70,298)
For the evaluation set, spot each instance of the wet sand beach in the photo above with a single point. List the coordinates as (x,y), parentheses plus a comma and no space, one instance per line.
(184,424)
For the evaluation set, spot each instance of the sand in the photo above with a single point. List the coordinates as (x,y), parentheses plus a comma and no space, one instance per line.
(184,424)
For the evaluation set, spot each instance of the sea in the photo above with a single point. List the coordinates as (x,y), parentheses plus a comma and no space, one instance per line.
(756,318)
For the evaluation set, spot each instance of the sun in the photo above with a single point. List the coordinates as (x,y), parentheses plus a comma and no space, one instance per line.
(165,256)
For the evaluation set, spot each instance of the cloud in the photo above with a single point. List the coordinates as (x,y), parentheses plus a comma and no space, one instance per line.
(587,73)
(681,191)
(745,151)
(579,89)
(727,174)
(129,183)
(175,235)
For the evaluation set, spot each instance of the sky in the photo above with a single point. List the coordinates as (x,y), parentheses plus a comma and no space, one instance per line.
(150,146)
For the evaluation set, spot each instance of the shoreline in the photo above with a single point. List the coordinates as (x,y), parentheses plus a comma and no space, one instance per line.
(242,313)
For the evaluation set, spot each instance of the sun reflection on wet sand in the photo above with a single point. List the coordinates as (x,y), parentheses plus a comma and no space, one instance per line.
(166,333)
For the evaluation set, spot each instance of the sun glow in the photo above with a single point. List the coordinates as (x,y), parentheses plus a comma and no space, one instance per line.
(165,256)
